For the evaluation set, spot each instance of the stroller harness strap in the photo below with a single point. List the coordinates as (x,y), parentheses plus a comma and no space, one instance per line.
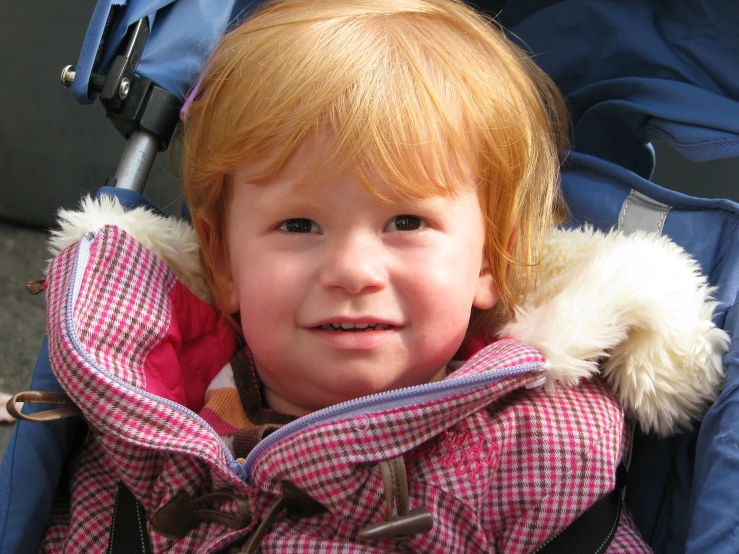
(128,533)
(639,212)
(594,530)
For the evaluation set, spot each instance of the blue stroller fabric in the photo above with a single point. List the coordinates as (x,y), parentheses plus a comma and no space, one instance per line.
(632,72)
(678,488)
(181,34)
(31,468)
(639,71)
(635,72)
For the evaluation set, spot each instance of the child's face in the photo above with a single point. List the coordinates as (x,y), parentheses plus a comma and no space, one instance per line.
(343,295)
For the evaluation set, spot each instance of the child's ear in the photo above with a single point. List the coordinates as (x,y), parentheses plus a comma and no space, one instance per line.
(231,296)
(487,293)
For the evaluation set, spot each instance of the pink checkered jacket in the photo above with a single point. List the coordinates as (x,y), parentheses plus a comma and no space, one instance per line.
(504,453)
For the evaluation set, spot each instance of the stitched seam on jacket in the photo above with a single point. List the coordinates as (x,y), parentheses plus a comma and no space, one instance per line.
(584,463)
(115,513)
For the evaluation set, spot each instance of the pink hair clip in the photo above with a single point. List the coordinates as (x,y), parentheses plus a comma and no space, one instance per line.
(189,100)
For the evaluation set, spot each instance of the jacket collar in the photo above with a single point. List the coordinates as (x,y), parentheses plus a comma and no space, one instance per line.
(329,453)
(634,308)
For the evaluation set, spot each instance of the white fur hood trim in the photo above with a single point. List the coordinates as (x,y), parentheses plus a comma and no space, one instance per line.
(634,308)
(173,240)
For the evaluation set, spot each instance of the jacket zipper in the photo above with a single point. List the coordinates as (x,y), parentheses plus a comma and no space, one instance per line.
(389,400)
(80,264)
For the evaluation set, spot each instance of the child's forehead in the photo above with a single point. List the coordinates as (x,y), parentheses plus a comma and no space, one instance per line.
(317,162)
(341,198)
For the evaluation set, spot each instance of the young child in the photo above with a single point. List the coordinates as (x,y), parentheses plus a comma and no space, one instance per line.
(371,183)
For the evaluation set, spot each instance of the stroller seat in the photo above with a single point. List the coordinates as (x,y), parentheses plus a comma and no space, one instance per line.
(632,73)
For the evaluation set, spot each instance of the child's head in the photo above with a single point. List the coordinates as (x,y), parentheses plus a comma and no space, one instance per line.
(363,159)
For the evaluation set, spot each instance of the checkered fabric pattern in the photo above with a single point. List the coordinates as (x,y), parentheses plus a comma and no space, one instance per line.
(500,467)
(98,349)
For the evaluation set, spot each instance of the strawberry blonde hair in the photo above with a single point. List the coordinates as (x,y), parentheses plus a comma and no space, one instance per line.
(414,93)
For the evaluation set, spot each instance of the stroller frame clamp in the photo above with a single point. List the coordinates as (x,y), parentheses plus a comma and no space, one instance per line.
(144,113)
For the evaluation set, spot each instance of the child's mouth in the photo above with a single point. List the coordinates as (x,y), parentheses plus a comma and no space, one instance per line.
(355,327)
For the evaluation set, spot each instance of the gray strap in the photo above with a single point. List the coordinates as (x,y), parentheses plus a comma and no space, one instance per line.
(641,213)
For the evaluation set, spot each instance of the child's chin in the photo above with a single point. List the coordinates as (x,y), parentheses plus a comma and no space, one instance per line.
(366,382)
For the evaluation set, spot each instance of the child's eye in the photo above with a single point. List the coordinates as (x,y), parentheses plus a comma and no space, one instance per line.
(299,225)
(405,223)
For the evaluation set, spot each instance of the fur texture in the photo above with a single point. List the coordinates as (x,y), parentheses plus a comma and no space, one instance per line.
(173,240)
(634,308)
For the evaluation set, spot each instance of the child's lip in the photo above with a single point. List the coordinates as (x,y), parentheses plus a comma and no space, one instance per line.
(364,340)
(363,326)
(369,321)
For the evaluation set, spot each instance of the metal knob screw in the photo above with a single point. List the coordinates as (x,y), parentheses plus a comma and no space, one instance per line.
(124,88)
(68,75)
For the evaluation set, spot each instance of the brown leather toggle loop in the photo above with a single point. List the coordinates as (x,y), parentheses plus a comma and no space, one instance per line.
(399,519)
(182,513)
(36,286)
(41,397)
(416,522)
(395,483)
(298,504)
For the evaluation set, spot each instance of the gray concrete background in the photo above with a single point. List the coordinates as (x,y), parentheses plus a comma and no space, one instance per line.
(22,316)
(53,150)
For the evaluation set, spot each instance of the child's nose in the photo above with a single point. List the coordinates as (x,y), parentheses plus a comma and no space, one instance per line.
(354,264)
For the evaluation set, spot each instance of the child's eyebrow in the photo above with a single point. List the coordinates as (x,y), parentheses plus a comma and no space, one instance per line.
(286,204)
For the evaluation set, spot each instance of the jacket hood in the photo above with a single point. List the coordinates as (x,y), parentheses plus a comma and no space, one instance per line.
(634,308)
